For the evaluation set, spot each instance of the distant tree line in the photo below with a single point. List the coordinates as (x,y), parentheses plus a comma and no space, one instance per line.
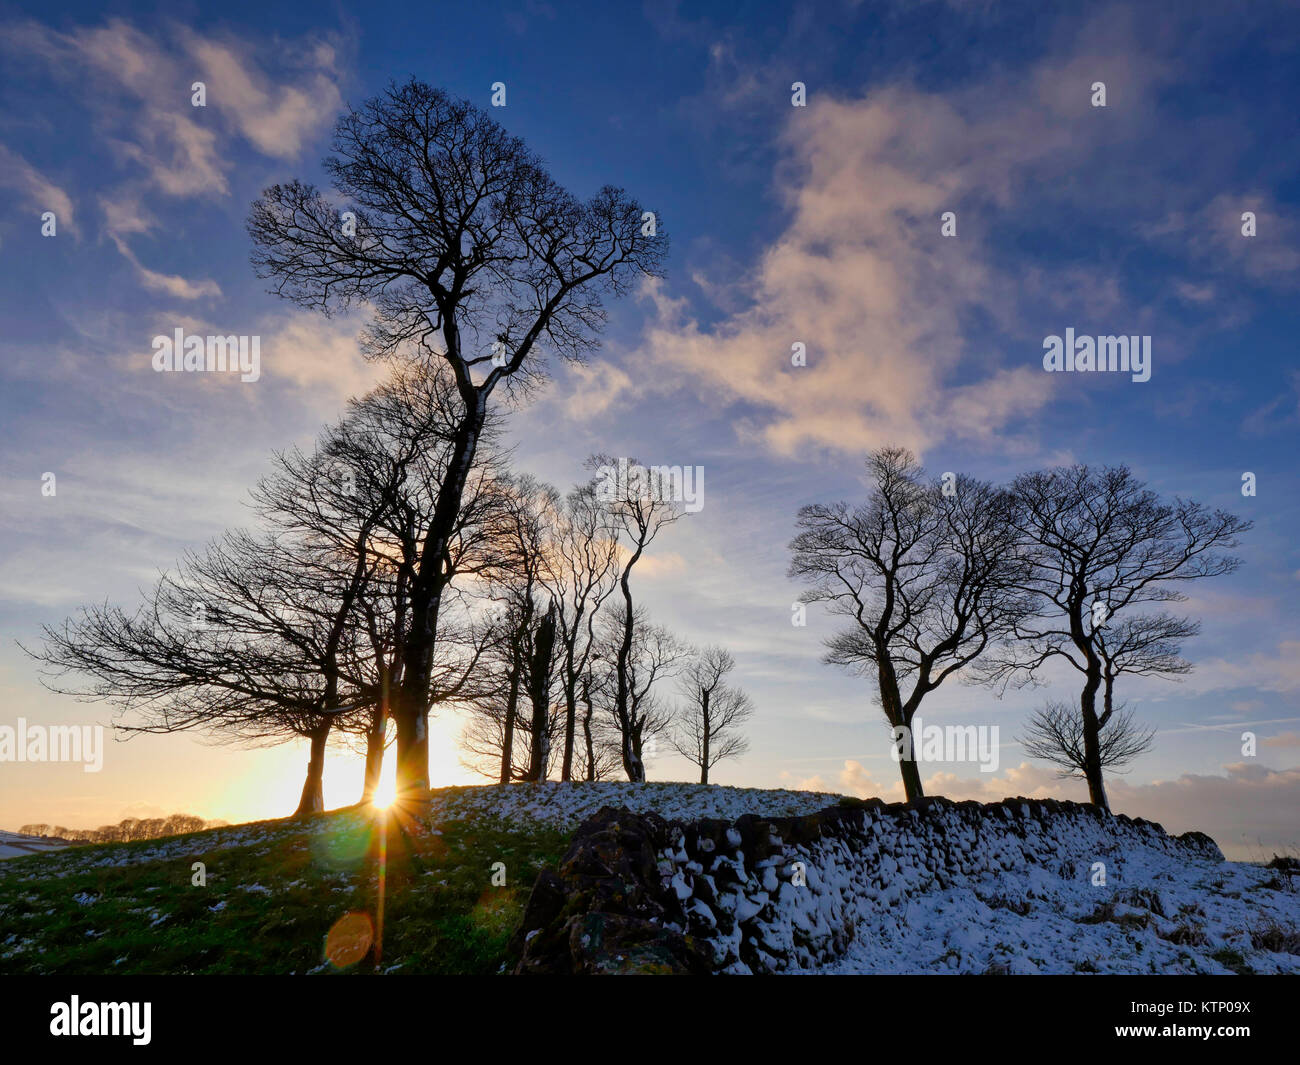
(126,830)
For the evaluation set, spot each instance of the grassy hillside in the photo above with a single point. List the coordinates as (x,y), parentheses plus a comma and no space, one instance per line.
(274,890)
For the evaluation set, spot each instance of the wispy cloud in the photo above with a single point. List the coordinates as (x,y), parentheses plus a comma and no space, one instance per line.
(125,216)
(141,84)
(37,191)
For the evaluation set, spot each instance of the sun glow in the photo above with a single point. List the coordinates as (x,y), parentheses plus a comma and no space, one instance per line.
(386,791)
(268,782)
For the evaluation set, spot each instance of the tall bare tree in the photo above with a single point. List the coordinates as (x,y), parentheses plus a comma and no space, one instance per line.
(295,630)
(708,727)
(521,536)
(1099,544)
(637,657)
(470,253)
(388,456)
(639,506)
(926,573)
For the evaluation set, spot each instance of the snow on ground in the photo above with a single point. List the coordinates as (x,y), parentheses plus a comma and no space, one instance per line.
(568,805)
(1004,907)
(1213,918)
(962,892)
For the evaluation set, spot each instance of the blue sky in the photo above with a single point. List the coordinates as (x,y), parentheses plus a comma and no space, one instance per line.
(818,225)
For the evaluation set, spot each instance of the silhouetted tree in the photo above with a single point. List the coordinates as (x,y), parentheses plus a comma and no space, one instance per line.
(1055,734)
(581,573)
(928,577)
(1098,545)
(639,507)
(637,656)
(469,253)
(712,714)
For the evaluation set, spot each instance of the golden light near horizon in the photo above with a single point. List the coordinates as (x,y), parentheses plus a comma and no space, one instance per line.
(267,783)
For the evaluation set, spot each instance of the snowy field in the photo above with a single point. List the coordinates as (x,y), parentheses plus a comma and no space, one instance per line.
(1170,916)
(568,805)
(13,845)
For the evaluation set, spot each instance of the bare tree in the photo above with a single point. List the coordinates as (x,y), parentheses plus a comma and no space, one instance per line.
(580,573)
(540,673)
(241,642)
(1099,544)
(295,631)
(927,576)
(639,507)
(637,655)
(470,253)
(1144,645)
(709,723)
(1055,734)
(520,662)
(388,456)
(601,753)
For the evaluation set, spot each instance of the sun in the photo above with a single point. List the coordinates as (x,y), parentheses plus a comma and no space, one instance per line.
(385,793)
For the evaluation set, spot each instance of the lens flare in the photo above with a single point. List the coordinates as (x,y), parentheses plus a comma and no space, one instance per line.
(349,940)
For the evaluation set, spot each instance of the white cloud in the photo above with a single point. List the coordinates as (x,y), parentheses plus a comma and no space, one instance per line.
(318,354)
(278,119)
(1277,670)
(861,275)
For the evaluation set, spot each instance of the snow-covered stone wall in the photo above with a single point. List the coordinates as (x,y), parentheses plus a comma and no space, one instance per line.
(760,895)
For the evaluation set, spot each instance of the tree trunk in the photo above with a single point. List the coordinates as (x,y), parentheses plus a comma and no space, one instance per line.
(1092,743)
(410,708)
(633,765)
(631,745)
(704,744)
(899,715)
(570,731)
(911,778)
(539,690)
(412,757)
(508,737)
(586,729)
(313,789)
(374,757)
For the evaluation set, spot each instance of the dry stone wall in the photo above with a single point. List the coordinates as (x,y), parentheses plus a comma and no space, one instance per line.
(637,893)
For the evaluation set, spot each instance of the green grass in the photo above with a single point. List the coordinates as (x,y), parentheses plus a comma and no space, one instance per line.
(273,891)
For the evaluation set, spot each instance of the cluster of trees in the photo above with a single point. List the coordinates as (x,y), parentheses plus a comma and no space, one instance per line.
(952,574)
(299,627)
(124,831)
(572,685)
(400,565)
